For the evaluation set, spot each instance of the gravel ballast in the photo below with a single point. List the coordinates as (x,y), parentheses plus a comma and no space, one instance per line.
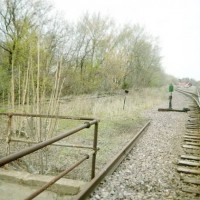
(149,171)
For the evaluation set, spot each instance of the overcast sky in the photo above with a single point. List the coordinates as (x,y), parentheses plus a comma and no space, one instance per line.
(175,22)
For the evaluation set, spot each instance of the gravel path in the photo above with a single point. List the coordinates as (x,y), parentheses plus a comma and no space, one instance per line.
(149,172)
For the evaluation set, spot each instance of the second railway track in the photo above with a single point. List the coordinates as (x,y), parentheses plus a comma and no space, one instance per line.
(189,162)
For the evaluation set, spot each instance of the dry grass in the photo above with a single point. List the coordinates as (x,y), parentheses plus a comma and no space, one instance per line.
(111,107)
(117,126)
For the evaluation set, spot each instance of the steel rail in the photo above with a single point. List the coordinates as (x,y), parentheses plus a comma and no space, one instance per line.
(187,165)
(40,145)
(198,93)
(177,89)
(190,94)
(59,176)
(110,167)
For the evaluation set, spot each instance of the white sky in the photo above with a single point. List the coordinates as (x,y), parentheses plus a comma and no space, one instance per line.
(175,22)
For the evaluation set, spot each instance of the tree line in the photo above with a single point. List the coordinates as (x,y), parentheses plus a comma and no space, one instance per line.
(42,55)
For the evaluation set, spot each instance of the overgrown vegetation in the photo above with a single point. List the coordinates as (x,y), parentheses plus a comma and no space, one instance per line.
(94,54)
(44,58)
(118,124)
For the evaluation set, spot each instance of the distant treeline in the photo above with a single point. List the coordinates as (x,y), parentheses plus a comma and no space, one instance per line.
(43,55)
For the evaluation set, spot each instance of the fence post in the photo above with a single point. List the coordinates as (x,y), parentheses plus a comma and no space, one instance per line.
(9,132)
(95,150)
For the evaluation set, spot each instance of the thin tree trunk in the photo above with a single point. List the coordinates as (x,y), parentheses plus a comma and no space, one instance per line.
(39,134)
(38,94)
(12,88)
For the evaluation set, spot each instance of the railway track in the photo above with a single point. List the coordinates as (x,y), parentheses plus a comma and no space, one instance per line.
(189,163)
(110,167)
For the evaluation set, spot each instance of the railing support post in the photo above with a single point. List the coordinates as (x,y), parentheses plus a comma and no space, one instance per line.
(95,150)
(9,132)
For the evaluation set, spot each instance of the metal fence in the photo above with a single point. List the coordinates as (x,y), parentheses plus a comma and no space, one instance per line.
(88,122)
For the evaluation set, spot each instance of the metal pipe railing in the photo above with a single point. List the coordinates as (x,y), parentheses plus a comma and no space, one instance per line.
(52,141)
(47,116)
(95,150)
(44,187)
(8,133)
(54,144)
(41,145)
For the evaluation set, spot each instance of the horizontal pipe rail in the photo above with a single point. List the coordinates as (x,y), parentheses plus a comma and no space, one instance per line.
(43,144)
(44,187)
(54,144)
(110,167)
(46,116)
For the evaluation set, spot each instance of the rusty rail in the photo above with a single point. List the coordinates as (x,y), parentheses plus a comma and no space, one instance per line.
(192,95)
(110,167)
(198,93)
